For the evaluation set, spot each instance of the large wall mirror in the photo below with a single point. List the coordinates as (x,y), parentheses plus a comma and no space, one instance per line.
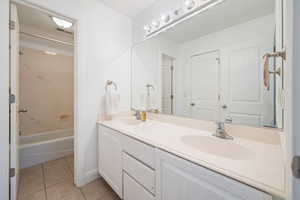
(209,66)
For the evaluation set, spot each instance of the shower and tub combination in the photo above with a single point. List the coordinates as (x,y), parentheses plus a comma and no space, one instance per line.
(39,148)
(46,131)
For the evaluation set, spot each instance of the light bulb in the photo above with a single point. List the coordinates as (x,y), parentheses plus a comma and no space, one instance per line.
(155,24)
(147,28)
(62,23)
(165,18)
(189,4)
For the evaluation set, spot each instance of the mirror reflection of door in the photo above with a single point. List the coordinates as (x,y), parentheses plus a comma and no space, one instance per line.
(167,84)
(249,102)
(205,79)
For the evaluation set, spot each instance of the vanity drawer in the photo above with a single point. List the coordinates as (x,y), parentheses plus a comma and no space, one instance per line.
(134,191)
(140,172)
(139,150)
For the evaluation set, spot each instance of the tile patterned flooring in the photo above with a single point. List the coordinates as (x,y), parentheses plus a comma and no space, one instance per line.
(53,180)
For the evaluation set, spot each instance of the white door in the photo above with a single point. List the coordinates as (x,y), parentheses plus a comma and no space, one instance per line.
(110,158)
(14,107)
(205,85)
(167,85)
(248,101)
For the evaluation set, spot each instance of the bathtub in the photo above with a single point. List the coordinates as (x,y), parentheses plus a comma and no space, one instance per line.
(39,148)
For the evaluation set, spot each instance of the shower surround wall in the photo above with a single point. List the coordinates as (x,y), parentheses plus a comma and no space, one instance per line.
(46,91)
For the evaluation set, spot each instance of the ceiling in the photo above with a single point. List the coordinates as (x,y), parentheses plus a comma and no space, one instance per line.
(227,14)
(33,23)
(34,18)
(129,8)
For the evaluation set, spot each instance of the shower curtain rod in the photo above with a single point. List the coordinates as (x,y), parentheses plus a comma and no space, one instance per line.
(47,38)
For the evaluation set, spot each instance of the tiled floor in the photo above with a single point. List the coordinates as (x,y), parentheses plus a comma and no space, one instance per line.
(53,180)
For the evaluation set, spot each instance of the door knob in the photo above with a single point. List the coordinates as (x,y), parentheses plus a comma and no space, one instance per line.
(192,104)
(224,106)
(23,111)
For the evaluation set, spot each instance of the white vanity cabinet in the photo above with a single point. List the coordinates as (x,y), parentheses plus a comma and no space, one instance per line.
(138,171)
(110,158)
(178,179)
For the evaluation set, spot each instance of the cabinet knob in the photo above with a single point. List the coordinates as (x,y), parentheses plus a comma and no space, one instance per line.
(192,104)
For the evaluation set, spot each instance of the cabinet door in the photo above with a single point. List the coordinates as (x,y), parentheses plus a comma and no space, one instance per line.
(178,179)
(110,158)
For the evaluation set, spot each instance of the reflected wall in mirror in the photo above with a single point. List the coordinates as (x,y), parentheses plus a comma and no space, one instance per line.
(210,66)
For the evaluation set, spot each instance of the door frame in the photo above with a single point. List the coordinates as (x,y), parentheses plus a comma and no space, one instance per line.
(76,74)
(14,107)
(292,92)
(4,100)
(172,81)
(161,53)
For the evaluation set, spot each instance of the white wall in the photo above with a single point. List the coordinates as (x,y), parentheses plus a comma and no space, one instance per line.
(103,52)
(259,30)
(4,113)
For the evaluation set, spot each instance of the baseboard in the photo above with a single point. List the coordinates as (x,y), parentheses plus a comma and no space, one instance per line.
(35,159)
(88,177)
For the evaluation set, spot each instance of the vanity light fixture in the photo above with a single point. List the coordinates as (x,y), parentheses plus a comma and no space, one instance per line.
(165,18)
(61,23)
(155,24)
(147,28)
(176,12)
(189,4)
(189,9)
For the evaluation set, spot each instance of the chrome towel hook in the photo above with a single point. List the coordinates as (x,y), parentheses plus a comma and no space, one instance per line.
(276,54)
(110,83)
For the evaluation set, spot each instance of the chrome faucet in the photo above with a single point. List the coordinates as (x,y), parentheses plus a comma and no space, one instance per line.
(137,114)
(221,132)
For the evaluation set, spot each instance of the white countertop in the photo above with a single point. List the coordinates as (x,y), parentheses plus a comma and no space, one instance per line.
(253,161)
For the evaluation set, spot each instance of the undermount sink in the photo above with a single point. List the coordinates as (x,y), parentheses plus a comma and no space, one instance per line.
(218,147)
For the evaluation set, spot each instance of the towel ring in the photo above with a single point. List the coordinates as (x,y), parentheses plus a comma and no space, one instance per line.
(111,83)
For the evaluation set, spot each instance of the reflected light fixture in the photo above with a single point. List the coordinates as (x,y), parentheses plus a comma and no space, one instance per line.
(189,4)
(189,9)
(147,28)
(155,23)
(165,18)
(62,23)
